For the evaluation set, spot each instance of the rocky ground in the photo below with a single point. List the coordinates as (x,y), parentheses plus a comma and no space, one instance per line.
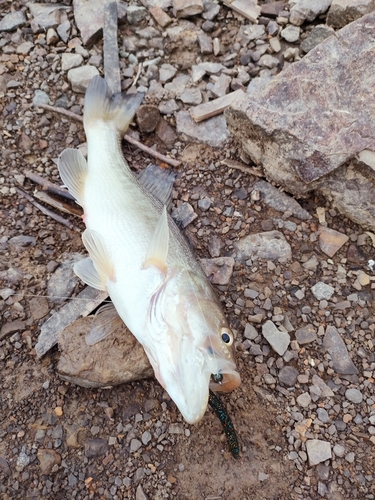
(296,279)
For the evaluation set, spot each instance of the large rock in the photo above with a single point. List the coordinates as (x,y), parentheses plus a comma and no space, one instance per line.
(343,12)
(118,359)
(313,127)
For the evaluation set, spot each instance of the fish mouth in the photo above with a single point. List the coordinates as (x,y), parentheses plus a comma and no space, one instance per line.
(225,382)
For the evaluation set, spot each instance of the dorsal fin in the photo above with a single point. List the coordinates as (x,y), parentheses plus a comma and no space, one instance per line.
(159,182)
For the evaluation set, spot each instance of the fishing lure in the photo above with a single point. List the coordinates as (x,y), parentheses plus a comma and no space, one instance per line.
(221,412)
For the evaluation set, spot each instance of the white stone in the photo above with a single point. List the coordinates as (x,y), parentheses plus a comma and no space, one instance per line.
(318,451)
(80,77)
(69,61)
(322,291)
(291,33)
(279,341)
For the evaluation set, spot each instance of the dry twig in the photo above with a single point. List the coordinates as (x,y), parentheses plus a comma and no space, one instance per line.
(242,167)
(60,205)
(48,185)
(127,138)
(47,212)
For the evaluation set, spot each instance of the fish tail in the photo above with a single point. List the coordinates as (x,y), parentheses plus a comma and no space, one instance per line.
(101,104)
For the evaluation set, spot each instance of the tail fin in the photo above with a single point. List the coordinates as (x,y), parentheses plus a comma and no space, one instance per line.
(100,104)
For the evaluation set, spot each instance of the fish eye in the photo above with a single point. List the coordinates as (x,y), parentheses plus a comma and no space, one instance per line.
(227,336)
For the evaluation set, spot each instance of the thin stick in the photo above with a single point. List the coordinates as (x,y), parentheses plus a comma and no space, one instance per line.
(61,111)
(49,186)
(140,66)
(110,49)
(127,138)
(151,152)
(60,205)
(242,167)
(47,212)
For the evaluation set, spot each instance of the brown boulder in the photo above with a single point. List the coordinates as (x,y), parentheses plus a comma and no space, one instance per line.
(118,359)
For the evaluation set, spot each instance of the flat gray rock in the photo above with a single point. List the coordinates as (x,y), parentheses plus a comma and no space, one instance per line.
(337,349)
(80,77)
(303,154)
(278,340)
(63,281)
(12,21)
(118,359)
(24,48)
(291,33)
(69,61)
(282,202)
(288,376)
(88,300)
(162,4)
(184,214)
(270,245)
(306,10)
(320,388)
(354,395)
(318,451)
(306,334)
(317,35)
(213,131)
(45,16)
(343,12)
(40,97)
(89,17)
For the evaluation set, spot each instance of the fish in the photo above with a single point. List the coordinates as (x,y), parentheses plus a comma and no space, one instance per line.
(139,256)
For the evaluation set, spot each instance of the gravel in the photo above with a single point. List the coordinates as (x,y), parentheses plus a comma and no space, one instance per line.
(301,300)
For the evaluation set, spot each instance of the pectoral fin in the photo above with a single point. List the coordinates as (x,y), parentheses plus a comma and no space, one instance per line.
(106,322)
(158,250)
(73,170)
(102,263)
(85,270)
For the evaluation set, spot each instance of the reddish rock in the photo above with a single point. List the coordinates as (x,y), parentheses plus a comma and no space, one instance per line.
(331,241)
(48,459)
(12,327)
(148,117)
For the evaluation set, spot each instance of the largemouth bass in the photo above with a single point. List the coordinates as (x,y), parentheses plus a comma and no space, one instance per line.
(137,253)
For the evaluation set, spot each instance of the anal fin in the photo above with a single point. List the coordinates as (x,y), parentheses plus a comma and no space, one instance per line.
(73,171)
(106,322)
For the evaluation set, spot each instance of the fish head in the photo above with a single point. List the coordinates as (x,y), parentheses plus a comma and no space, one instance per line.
(195,349)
